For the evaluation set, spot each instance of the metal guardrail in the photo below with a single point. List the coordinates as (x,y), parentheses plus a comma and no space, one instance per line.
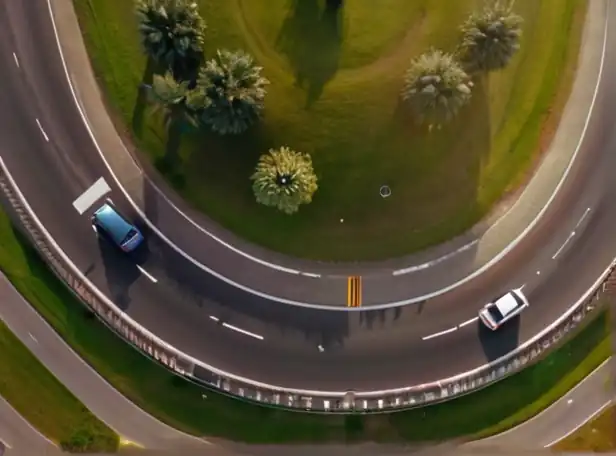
(295,399)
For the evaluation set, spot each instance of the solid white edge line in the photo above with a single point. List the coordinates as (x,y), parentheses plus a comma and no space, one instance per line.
(243,331)
(468,322)
(442,333)
(38,122)
(586,420)
(147,274)
(16,60)
(225,279)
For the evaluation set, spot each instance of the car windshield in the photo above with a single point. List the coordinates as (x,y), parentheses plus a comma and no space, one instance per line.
(131,233)
(495,314)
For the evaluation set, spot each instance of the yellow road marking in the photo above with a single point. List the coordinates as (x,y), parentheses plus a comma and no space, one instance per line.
(354,291)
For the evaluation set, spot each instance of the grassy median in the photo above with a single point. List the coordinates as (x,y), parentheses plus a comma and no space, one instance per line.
(180,403)
(335,95)
(45,403)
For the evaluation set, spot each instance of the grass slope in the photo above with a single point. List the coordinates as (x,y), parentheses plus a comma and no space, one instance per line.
(45,403)
(180,403)
(334,94)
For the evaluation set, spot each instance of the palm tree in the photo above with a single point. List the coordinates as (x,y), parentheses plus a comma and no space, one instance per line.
(284,179)
(171,33)
(490,38)
(174,99)
(436,87)
(234,92)
(178,105)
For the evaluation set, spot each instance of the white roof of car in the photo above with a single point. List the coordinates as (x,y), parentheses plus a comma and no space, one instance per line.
(507,304)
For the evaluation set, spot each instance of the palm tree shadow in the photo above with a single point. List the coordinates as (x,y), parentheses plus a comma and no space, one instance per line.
(311,38)
(151,68)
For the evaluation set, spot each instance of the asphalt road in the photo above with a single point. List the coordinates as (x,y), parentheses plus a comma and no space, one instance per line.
(53,159)
(135,425)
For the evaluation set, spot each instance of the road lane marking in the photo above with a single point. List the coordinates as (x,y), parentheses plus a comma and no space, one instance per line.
(562,247)
(38,122)
(468,322)
(242,331)
(586,420)
(436,261)
(96,191)
(33,338)
(3,442)
(582,218)
(354,291)
(212,317)
(442,333)
(147,274)
(16,60)
(310,274)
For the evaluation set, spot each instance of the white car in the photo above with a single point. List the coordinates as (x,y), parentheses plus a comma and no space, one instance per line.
(503,309)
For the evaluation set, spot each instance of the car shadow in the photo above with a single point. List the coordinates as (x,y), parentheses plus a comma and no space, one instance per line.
(500,342)
(120,272)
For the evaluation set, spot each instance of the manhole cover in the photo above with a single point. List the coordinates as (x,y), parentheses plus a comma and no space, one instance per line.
(385,191)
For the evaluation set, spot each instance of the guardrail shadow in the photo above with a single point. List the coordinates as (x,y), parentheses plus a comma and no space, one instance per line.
(195,287)
(371,318)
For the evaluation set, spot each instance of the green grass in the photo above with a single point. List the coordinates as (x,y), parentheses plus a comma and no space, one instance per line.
(180,404)
(598,436)
(334,94)
(45,403)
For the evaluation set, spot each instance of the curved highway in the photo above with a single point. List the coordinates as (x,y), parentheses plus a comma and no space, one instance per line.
(133,424)
(48,148)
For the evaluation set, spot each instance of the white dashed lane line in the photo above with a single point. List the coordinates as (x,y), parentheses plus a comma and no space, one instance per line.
(442,333)
(242,331)
(468,322)
(147,274)
(16,59)
(450,330)
(236,329)
(38,122)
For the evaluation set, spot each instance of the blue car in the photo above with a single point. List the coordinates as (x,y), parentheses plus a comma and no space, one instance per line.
(114,226)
